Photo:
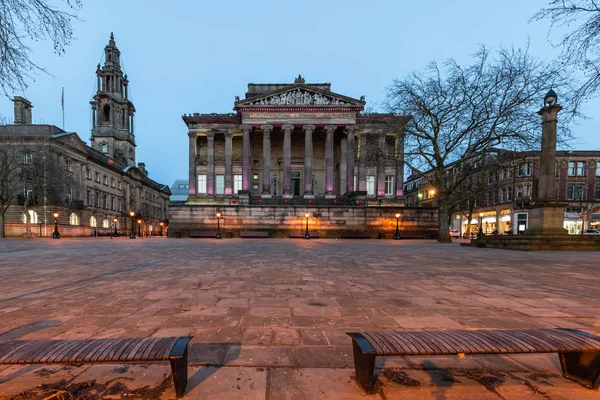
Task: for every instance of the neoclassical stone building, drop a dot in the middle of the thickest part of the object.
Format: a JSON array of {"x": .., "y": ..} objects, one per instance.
[
  {"x": 93, "y": 188},
  {"x": 295, "y": 141}
]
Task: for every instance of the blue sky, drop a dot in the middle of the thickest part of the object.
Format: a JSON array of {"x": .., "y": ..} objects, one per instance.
[{"x": 195, "y": 56}]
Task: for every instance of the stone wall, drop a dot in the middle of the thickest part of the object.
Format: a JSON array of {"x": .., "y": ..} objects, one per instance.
[{"x": 415, "y": 222}]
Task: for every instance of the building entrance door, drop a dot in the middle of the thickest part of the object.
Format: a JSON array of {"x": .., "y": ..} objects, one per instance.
[{"x": 295, "y": 189}]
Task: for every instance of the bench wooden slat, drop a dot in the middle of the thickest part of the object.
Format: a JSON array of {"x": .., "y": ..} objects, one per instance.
[
  {"x": 422, "y": 344},
  {"x": 539, "y": 346},
  {"x": 123, "y": 348},
  {"x": 566, "y": 339},
  {"x": 49, "y": 355},
  {"x": 466, "y": 345},
  {"x": 547, "y": 345},
  {"x": 452, "y": 345},
  {"x": 18, "y": 347},
  {"x": 137, "y": 348},
  {"x": 436, "y": 346},
  {"x": 406, "y": 344},
  {"x": 147, "y": 350},
  {"x": 29, "y": 353},
  {"x": 591, "y": 342},
  {"x": 170, "y": 343},
  {"x": 491, "y": 343},
  {"x": 515, "y": 340}
]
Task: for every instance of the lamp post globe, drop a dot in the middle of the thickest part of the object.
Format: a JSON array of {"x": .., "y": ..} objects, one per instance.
[
  {"x": 132, "y": 233},
  {"x": 306, "y": 234},
  {"x": 397, "y": 233},
  {"x": 55, "y": 234},
  {"x": 115, "y": 221},
  {"x": 218, "y": 225},
  {"x": 161, "y": 225},
  {"x": 139, "y": 228}
]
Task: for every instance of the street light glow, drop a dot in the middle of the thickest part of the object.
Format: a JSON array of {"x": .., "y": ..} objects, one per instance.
[
  {"x": 397, "y": 215},
  {"x": 218, "y": 215},
  {"x": 55, "y": 215},
  {"x": 132, "y": 214}
]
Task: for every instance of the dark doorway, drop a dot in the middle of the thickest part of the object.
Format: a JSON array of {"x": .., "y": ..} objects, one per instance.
[{"x": 295, "y": 189}]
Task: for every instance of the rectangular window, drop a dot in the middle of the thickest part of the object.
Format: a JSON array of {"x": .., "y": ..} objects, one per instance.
[
  {"x": 202, "y": 183},
  {"x": 579, "y": 192},
  {"x": 509, "y": 193},
  {"x": 120, "y": 185},
  {"x": 69, "y": 165},
  {"x": 527, "y": 190},
  {"x": 220, "y": 184},
  {"x": 112, "y": 182},
  {"x": 570, "y": 192},
  {"x": 105, "y": 180},
  {"x": 580, "y": 168},
  {"x": 598, "y": 169},
  {"x": 370, "y": 184},
  {"x": 576, "y": 168},
  {"x": 355, "y": 182},
  {"x": 506, "y": 173},
  {"x": 87, "y": 174},
  {"x": 571, "y": 170},
  {"x": 98, "y": 177},
  {"x": 28, "y": 158},
  {"x": 120, "y": 205},
  {"x": 88, "y": 197},
  {"x": 237, "y": 183},
  {"x": 525, "y": 169},
  {"x": 597, "y": 192},
  {"x": 389, "y": 185},
  {"x": 27, "y": 188}
]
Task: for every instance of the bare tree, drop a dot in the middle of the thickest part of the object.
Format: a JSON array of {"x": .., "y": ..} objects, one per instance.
[
  {"x": 584, "y": 208},
  {"x": 30, "y": 176},
  {"x": 23, "y": 20},
  {"x": 458, "y": 112},
  {"x": 580, "y": 44}
]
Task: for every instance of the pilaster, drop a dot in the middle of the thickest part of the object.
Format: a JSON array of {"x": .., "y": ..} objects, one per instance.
[
  {"x": 192, "y": 163},
  {"x": 246, "y": 129},
  {"x": 266, "y": 130},
  {"x": 308, "y": 159},
  {"x": 287, "y": 160},
  {"x": 350, "y": 157},
  {"x": 329, "y": 131}
]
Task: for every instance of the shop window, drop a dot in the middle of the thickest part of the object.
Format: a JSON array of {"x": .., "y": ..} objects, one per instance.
[
  {"x": 33, "y": 217},
  {"x": 93, "y": 222},
  {"x": 105, "y": 223}
]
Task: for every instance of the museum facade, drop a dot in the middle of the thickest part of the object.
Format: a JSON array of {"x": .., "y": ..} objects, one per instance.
[{"x": 295, "y": 141}]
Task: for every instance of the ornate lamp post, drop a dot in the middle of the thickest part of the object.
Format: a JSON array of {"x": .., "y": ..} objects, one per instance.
[
  {"x": 161, "y": 225},
  {"x": 480, "y": 233},
  {"x": 139, "y": 228},
  {"x": 132, "y": 233},
  {"x": 115, "y": 221},
  {"x": 397, "y": 233},
  {"x": 306, "y": 234},
  {"x": 55, "y": 234},
  {"x": 218, "y": 225}
]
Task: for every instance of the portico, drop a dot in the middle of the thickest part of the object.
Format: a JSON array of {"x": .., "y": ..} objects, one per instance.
[{"x": 294, "y": 140}]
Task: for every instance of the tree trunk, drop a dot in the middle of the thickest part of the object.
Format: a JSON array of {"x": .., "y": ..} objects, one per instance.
[
  {"x": 2, "y": 232},
  {"x": 443, "y": 227}
]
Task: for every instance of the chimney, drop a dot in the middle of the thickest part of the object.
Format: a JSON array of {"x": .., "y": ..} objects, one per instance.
[
  {"x": 22, "y": 110},
  {"x": 142, "y": 167}
]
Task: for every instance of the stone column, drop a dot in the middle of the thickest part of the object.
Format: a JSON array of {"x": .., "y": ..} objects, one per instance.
[
  {"x": 246, "y": 129},
  {"x": 266, "y": 130},
  {"x": 350, "y": 157},
  {"x": 546, "y": 189},
  {"x": 380, "y": 178},
  {"x": 329, "y": 130},
  {"x": 400, "y": 165},
  {"x": 192, "y": 166},
  {"x": 228, "y": 171},
  {"x": 308, "y": 158},
  {"x": 210, "y": 163},
  {"x": 287, "y": 160},
  {"x": 362, "y": 168}
]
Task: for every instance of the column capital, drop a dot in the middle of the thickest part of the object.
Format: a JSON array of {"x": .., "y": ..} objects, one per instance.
[
  {"x": 246, "y": 128},
  {"x": 287, "y": 126},
  {"x": 351, "y": 128},
  {"x": 227, "y": 135},
  {"x": 330, "y": 127},
  {"x": 266, "y": 128},
  {"x": 308, "y": 128},
  {"x": 210, "y": 135},
  {"x": 192, "y": 134}
]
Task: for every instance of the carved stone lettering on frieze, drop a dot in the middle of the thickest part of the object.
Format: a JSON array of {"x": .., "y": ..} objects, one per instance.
[{"x": 299, "y": 97}]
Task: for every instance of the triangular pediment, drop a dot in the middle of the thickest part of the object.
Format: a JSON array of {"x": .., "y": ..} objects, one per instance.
[
  {"x": 300, "y": 95},
  {"x": 73, "y": 140}
]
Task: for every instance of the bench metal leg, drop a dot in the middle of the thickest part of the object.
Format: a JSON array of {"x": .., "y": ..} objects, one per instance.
[
  {"x": 179, "y": 360},
  {"x": 364, "y": 365},
  {"x": 583, "y": 367}
]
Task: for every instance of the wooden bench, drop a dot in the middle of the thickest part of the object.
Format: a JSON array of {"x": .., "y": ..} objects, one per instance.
[
  {"x": 300, "y": 235},
  {"x": 579, "y": 352},
  {"x": 203, "y": 234},
  {"x": 76, "y": 351},
  {"x": 354, "y": 235},
  {"x": 254, "y": 234}
]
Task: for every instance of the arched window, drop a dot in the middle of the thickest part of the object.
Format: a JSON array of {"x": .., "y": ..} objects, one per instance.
[
  {"x": 93, "y": 222},
  {"x": 33, "y": 217},
  {"x": 105, "y": 223},
  {"x": 106, "y": 111},
  {"x": 74, "y": 219},
  {"x": 104, "y": 147}
]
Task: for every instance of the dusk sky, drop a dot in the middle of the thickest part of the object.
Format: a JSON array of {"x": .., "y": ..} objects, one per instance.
[{"x": 195, "y": 56}]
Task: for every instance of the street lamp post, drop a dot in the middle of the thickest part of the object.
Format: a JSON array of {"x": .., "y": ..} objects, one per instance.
[
  {"x": 139, "y": 228},
  {"x": 218, "y": 225},
  {"x": 116, "y": 220},
  {"x": 397, "y": 233},
  {"x": 161, "y": 225},
  {"x": 132, "y": 233},
  {"x": 306, "y": 234},
  {"x": 55, "y": 234},
  {"x": 480, "y": 233}
]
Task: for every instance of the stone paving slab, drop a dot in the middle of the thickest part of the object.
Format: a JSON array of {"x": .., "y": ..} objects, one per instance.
[{"x": 274, "y": 313}]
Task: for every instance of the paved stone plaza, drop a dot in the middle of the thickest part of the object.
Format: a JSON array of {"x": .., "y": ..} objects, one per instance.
[{"x": 269, "y": 316}]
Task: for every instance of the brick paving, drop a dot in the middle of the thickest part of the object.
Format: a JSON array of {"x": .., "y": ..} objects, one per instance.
[{"x": 268, "y": 316}]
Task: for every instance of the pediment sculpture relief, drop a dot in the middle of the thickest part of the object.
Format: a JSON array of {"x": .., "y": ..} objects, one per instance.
[{"x": 299, "y": 97}]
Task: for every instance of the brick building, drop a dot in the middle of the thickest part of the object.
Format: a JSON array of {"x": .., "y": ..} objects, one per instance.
[{"x": 508, "y": 185}]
